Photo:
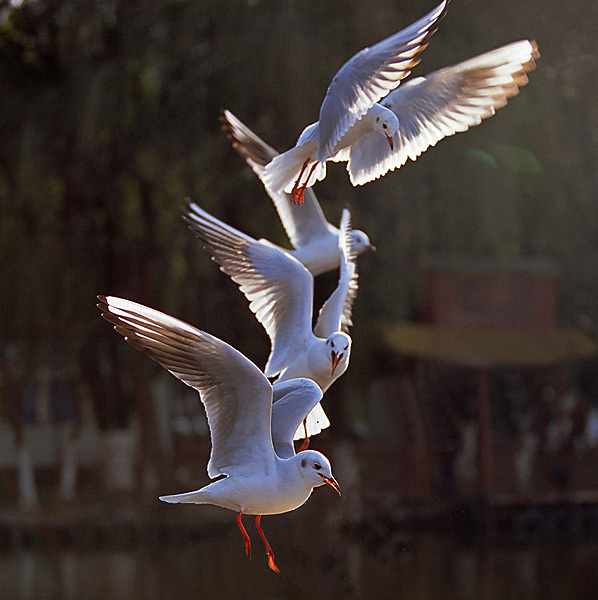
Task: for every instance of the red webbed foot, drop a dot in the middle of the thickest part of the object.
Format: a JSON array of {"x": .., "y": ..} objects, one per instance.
[{"x": 271, "y": 561}]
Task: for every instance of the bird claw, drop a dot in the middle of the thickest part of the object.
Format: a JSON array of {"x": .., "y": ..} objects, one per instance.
[
  {"x": 297, "y": 195},
  {"x": 272, "y": 564},
  {"x": 298, "y": 190}
]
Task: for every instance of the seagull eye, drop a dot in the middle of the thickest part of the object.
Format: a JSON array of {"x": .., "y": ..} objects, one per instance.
[
  {"x": 384, "y": 126},
  {"x": 331, "y": 344},
  {"x": 317, "y": 466},
  {"x": 377, "y": 119},
  {"x": 303, "y": 463}
]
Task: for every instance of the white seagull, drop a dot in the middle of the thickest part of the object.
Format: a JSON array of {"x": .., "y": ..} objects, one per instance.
[
  {"x": 315, "y": 239},
  {"x": 350, "y": 110},
  {"x": 280, "y": 292},
  {"x": 410, "y": 119},
  {"x": 251, "y": 439}
]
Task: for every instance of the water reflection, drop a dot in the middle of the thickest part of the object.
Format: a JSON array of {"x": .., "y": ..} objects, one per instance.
[{"x": 315, "y": 564}]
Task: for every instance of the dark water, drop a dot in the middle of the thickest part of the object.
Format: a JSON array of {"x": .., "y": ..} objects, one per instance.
[{"x": 317, "y": 561}]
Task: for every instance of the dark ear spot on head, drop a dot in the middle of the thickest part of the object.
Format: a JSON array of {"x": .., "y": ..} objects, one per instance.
[{"x": 303, "y": 463}]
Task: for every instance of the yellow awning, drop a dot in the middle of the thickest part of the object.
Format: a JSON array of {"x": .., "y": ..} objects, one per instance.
[{"x": 490, "y": 347}]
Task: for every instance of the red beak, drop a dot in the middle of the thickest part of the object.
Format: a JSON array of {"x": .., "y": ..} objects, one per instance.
[
  {"x": 390, "y": 142},
  {"x": 335, "y": 358},
  {"x": 332, "y": 482}
]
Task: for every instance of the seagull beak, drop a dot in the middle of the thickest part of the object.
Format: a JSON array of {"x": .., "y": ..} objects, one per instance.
[
  {"x": 390, "y": 142},
  {"x": 332, "y": 482},
  {"x": 335, "y": 359},
  {"x": 371, "y": 247}
]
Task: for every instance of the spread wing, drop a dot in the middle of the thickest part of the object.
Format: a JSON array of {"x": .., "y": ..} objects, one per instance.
[
  {"x": 235, "y": 393},
  {"x": 293, "y": 401},
  {"x": 447, "y": 101},
  {"x": 368, "y": 76},
  {"x": 335, "y": 315},
  {"x": 303, "y": 224},
  {"x": 279, "y": 288}
]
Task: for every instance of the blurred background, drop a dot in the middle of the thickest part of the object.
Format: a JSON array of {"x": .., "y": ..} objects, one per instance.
[{"x": 465, "y": 431}]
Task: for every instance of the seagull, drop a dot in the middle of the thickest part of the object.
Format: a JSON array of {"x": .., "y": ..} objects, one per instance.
[
  {"x": 414, "y": 116},
  {"x": 252, "y": 448},
  {"x": 280, "y": 291},
  {"x": 315, "y": 239},
  {"x": 350, "y": 110}
]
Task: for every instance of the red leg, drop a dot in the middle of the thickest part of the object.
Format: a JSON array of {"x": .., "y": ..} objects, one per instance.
[
  {"x": 296, "y": 185},
  {"x": 271, "y": 562},
  {"x": 305, "y": 444},
  {"x": 302, "y": 188},
  {"x": 245, "y": 536}
]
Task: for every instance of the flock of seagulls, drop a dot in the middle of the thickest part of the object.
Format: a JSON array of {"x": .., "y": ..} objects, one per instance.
[{"x": 372, "y": 121}]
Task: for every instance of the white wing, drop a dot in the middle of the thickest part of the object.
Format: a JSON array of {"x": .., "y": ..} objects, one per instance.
[
  {"x": 368, "y": 76},
  {"x": 302, "y": 224},
  {"x": 447, "y": 101},
  {"x": 293, "y": 401},
  {"x": 279, "y": 288},
  {"x": 349, "y": 257},
  {"x": 335, "y": 314},
  {"x": 251, "y": 147},
  {"x": 236, "y": 394}
]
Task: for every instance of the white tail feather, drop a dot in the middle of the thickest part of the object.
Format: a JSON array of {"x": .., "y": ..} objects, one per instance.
[
  {"x": 196, "y": 497},
  {"x": 316, "y": 422},
  {"x": 283, "y": 170}
]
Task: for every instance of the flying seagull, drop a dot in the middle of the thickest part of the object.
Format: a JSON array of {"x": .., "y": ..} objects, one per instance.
[
  {"x": 315, "y": 240},
  {"x": 280, "y": 292},
  {"x": 380, "y": 136},
  {"x": 251, "y": 440}
]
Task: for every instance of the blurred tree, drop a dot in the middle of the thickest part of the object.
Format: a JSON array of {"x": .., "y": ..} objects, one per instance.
[{"x": 108, "y": 120}]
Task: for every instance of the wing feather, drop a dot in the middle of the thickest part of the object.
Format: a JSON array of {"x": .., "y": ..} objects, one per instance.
[
  {"x": 335, "y": 314},
  {"x": 302, "y": 224},
  {"x": 441, "y": 104},
  {"x": 293, "y": 401},
  {"x": 236, "y": 395},
  {"x": 279, "y": 288},
  {"x": 368, "y": 76}
]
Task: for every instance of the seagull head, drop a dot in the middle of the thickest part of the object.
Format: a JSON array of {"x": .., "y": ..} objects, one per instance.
[
  {"x": 360, "y": 241},
  {"x": 385, "y": 123},
  {"x": 316, "y": 469},
  {"x": 338, "y": 349}
]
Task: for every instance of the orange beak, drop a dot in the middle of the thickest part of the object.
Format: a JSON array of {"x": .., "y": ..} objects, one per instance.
[
  {"x": 335, "y": 359},
  {"x": 332, "y": 482},
  {"x": 371, "y": 247},
  {"x": 390, "y": 142}
]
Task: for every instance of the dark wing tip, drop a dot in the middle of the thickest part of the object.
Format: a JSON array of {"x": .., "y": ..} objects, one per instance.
[{"x": 226, "y": 125}]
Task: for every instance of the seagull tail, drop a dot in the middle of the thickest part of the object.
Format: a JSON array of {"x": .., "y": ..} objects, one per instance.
[
  {"x": 316, "y": 422},
  {"x": 197, "y": 497},
  {"x": 284, "y": 170}
]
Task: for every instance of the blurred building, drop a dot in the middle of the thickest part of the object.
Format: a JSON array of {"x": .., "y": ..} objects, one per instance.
[{"x": 485, "y": 392}]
